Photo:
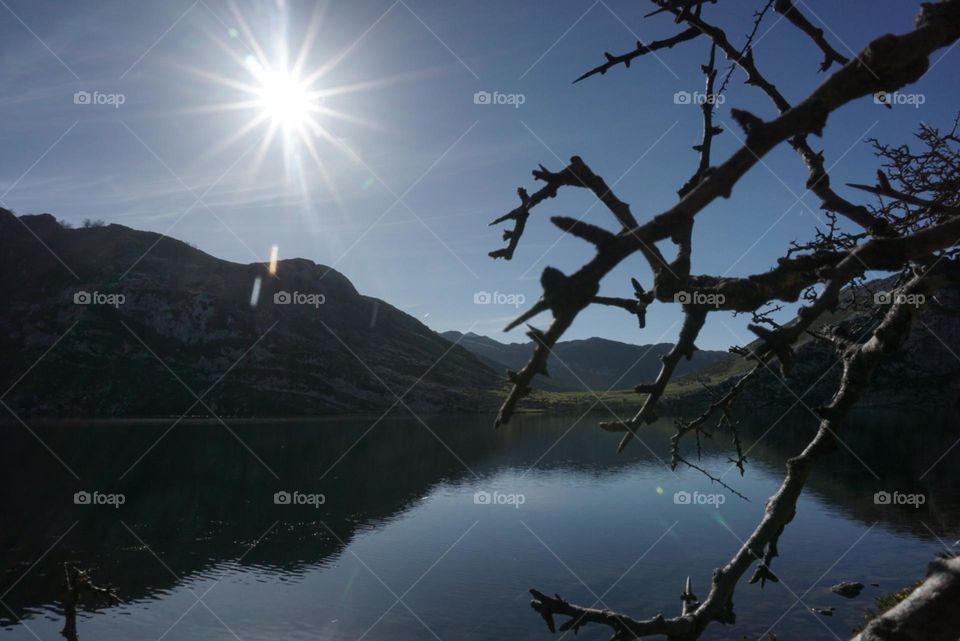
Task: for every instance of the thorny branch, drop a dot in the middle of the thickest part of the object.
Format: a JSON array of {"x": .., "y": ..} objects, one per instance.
[
  {"x": 859, "y": 361},
  {"x": 641, "y": 49},
  {"x": 789, "y": 10},
  {"x": 913, "y": 230}
]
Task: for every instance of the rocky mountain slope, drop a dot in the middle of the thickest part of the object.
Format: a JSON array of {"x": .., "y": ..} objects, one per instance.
[
  {"x": 593, "y": 363},
  {"x": 89, "y": 314},
  {"x": 923, "y": 376}
]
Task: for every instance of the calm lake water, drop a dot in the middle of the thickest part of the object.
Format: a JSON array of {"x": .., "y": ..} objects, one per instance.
[{"x": 404, "y": 547}]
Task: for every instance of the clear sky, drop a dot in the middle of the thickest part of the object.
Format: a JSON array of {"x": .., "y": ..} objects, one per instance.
[{"x": 188, "y": 151}]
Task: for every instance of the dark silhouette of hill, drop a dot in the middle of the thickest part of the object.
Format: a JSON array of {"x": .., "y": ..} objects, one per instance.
[
  {"x": 145, "y": 293},
  {"x": 923, "y": 375}
]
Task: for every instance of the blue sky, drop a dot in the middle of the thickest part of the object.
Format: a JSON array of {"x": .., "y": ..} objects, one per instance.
[{"x": 400, "y": 120}]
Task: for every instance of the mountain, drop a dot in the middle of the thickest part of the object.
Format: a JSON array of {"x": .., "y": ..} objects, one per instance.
[
  {"x": 593, "y": 363},
  {"x": 111, "y": 321},
  {"x": 922, "y": 376}
]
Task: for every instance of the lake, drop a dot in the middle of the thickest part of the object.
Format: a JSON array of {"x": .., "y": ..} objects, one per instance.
[{"x": 349, "y": 528}]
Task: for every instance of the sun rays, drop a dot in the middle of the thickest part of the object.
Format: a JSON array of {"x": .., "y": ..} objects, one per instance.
[{"x": 282, "y": 85}]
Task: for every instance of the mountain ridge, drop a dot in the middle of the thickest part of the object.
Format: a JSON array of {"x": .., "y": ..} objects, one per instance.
[
  {"x": 185, "y": 327},
  {"x": 597, "y": 364},
  {"x": 923, "y": 375}
]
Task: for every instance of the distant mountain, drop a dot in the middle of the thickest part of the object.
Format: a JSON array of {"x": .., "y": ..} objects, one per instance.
[
  {"x": 89, "y": 314},
  {"x": 594, "y": 363}
]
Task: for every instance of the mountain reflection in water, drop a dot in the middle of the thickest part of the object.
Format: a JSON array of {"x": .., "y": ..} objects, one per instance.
[{"x": 398, "y": 546}]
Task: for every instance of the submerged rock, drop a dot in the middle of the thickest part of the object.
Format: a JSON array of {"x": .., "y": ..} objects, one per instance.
[{"x": 847, "y": 589}]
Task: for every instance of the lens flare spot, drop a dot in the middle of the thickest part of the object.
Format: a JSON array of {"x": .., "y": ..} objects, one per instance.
[
  {"x": 255, "y": 293},
  {"x": 273, "y": 259}
]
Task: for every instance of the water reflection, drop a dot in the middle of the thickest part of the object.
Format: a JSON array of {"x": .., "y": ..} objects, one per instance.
[{"x": 198, "y": 515}]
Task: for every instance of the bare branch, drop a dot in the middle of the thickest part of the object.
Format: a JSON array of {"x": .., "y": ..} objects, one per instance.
[
  {"x": 915, "y": 234},
  {"x": 642, "y": 49},
  {"x": 858, "y": 364},
  {"x": 830, "y": 55},
  {"x": 897, "y": 59}
]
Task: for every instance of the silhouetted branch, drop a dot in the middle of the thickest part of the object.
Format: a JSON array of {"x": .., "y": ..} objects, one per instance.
[
  {"x": 915, "y": 234},
  {"x": 757, "y": 19},
  {"x": 723, "y": 404},
  {"x": 637, "y": 306},
  {"x": 880, "y": 254},
  {"x": 762, "y": 545},
  {"x": 897, "y": 59},
  {"x": 818, "y": 181},
  {"x": 641, "y": 49},
  {"x": 883, "y": 188},
  {"x": 709, "y": 130},
  {"x": 576, "y": 174},
  {"x": 693, "y": 321},
  {"x": 791, "y": 13}
]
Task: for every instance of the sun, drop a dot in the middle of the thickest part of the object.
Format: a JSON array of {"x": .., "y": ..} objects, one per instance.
[
  {"x": 286, "y": 101},
  {"x": 286, "y": 92}
]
